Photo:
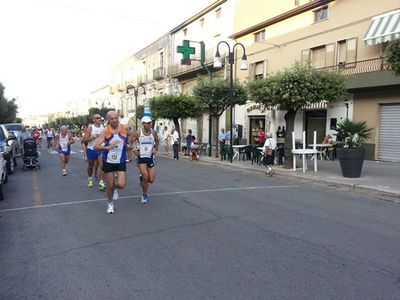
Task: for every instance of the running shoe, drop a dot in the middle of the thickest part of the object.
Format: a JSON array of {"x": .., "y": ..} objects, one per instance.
[
  {"x": 144, "y": 200},
  {"x": 110, "y": 208},
  {"x": 96, "y": 178},
  {"x": 64, "y": 172},
  {"x": 90, "y": 182},
  {"x": 115, "y": 194},
  {"x": 102, "y": 185}
]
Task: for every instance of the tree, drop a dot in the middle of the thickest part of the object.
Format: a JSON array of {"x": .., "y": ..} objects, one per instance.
[
  {"x": 8, "y": 108},
  {"x": 175, "y": 107},
  {"x": 214, "y": 95},
  {"x": 392, "y": 54},
  {"x": 293, "y": 89},
  {"x": 101, "y": 111}
]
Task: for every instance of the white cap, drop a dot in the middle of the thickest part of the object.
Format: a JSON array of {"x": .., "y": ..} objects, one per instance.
[{"x": 146, "y": 119}]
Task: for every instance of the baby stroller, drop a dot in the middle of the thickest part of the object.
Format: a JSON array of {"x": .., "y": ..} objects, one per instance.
[{"x": 30, "y": 155}]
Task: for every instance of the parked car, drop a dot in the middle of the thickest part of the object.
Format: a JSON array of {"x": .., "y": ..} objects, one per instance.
[
  {"x": 16, "y": 129},
  {"x": 8, "y": 148},
  {"x": 3, "y": 175}
]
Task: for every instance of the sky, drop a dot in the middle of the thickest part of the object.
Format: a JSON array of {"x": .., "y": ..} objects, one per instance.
[{"x": 55, "y": 51}]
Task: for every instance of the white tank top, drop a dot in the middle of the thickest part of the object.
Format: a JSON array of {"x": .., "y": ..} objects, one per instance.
[
  {"x": 95, "y": 133},
  {"x": 146, "y": 143},
  {"x": 64, "y": 141}
]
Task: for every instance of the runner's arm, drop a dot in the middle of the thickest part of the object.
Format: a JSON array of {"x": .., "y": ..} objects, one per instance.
[
  {"x": 88, "y": 135},
  {"x": 71, "y": 138},
  {"x": 156, "y": 142}
]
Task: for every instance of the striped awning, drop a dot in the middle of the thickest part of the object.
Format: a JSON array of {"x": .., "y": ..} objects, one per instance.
[{"x": 383, "y": 28}]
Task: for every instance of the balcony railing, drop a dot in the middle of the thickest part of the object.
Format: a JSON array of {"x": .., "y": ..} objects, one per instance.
[{"x": 359, "y": 67}]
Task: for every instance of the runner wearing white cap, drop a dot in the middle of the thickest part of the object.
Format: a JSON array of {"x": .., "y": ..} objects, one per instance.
[{"x": 147, "y": 140}]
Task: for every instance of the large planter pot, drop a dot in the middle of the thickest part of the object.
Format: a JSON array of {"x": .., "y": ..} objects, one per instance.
[{"x": 351, "y": 161}]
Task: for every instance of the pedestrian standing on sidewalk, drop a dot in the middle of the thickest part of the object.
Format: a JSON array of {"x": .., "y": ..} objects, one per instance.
[
  {"x": 166, "y": 137},
  {"x": 147, "y": 139},
  {"x": 112, "y": 141},
  {"x": 93, "y": 156},
  {"x": 64, "y": 147},
  {"x": 175, "y": 145},
  {"x": 188, "y": 139},
  {"x": 269, "y": 154}
]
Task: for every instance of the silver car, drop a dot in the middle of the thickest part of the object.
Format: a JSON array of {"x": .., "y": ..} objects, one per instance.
[{"x": 3, "y": 175}]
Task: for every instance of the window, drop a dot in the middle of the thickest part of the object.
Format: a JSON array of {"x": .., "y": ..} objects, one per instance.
[
  {"x": 259, "y": 70},
  {"x": 185, "y": 32},
  {"x": 259, "y": 36},
  {"x": 161, "y": 59},
  {"x": 218, "y": 13},
  {"x": 318, "y": 57},
  {"x": 347, "y": 51},
  {"x": 321, "y": 14},
  {"x": 329, "y": 55},
  {"x": 202, "y": 22}
]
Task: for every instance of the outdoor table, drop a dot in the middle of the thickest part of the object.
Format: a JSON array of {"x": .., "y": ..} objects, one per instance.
[{"x": 236, "y": 150}]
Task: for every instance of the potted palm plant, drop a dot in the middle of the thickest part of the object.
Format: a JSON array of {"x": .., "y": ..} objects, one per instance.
[{"x": 351, "y": 156}]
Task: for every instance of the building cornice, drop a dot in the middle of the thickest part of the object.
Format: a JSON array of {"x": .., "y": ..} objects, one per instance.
[
  {"x": 291, "y": 13},
  {"x": 198, "y": 15}
]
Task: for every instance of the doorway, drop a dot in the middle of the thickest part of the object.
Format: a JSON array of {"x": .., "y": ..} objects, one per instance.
[{"x": 315, "y": 121}]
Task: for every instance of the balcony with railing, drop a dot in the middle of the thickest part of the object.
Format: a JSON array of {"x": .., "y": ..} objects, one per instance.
[
  {"x": 366, "y": 74},
  {"x": 158, "y": 73},
  {"x": 359, "y": 67},
  {"x": 179, "y": 69}
]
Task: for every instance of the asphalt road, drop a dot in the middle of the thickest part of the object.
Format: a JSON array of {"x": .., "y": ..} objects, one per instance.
[{"x": 208, "y": 232}]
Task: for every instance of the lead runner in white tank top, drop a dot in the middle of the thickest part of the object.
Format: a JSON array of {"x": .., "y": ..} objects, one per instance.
[{"x": 147, "y": 139}]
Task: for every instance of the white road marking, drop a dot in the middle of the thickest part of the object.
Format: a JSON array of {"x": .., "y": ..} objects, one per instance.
[
  {"x": 56, "y": 152},
  {"x": 157, "y": 194}
]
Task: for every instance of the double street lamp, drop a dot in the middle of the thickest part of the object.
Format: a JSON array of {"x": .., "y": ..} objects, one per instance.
[
  {"x": 135, "y": 90},
  {"x": 243, "y": 66}
]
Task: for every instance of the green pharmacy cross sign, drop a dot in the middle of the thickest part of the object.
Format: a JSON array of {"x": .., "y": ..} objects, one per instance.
[{"x": 186, "y": 51}]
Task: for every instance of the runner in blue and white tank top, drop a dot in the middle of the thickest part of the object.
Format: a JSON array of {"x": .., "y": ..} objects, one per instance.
[
  {"x": 112, "y": 141},
  {"x": 64, "y": 147},
  {"x": 147, "y": 140},
  {"x": 94, "y": 157}
]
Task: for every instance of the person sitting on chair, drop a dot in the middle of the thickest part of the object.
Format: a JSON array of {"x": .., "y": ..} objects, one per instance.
[{"x": 329, "y": 141}]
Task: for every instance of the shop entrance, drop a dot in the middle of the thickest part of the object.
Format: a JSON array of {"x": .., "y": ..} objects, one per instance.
[{"x": 256, "y": 123}]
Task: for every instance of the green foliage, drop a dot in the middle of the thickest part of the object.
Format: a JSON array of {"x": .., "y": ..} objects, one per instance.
[
  {"x": 101, "y": 111},
  {"x": 8, "y": 108},
  {"x": 174, "y": 107},
  {"x": 297, "y": 87},
  {"x": 354, "y": 133},
  {"x": 140, "y": 111},
  {"x": 392, "y": 54},
  {"x": 215, "y": 94}
]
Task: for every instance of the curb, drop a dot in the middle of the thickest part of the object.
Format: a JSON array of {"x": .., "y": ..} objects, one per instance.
[{"x": 390, "y": 196}]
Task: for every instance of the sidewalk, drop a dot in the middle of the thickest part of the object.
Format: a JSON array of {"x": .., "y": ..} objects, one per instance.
[{"x": 379, "y": 177}]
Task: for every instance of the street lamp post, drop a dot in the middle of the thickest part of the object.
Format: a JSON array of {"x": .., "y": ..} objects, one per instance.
[
  {"x": 231, "y": 61},
  {"x": 135, "y": 90}
]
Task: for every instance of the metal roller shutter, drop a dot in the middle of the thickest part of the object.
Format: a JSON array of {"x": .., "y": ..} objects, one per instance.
[{"x": 389, "y": 133}]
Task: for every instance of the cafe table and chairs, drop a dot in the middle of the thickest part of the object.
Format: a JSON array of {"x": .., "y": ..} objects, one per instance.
[{"x": 321, "y": 150}]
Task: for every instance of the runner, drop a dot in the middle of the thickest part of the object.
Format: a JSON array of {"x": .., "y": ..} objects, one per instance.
[
  {"x": 64, "y": 147},
  {"x": 83, "y": 143},
  {"x": 94, "y": 157},
  {"x": 114, "y": 137},
  {"x": 49, "y": 132},
  {"x": 148, "y": 145}
]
